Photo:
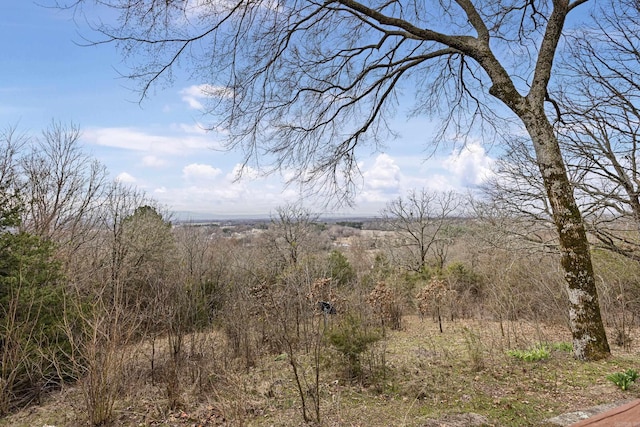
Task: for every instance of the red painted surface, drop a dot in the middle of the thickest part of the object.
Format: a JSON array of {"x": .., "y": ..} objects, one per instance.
[{"x": 627, "y": 415}]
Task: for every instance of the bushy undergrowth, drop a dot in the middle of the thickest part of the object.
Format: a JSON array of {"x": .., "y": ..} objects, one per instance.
[
  {"x": 262, "y": 301},
  {"x": 429, "y": 378},
  {"x": 562, "y": 346}
]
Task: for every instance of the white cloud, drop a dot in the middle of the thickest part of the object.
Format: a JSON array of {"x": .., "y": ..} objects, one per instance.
[
  {"x": 391, "y": 176},
  {"x": 193, "y": 102},
  {"x": 438, "y": 182},
  {"x": 136, "y": 140},
  {"x": 382, "y": 180},
  {"x": 193, "y": 95},
  {"x": 383, "y": 175},
  {"x": 470, "y": 165},
  {"x": 215, "y": 190},
  {"x": 210, "y": 191},
  {"x": 153, "y": 161},
  {"x": 243, "y": 172},
  {"x": 126, "y": 178},
  {"x": 197, "y": 171},
  {"x": 203, "y": 10},
  {"x": 196, "y": 128},
  {"x": 228, "y": 198},
  {"x": 198, "y": 8}
]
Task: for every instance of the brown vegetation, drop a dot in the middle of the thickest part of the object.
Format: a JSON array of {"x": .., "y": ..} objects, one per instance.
[
  {"x": 214, "y": 328},
  {"x": 428, "y": 375},
  {"x": 120, "y": 317}
]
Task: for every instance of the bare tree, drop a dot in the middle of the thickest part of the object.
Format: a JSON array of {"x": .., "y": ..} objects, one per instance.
[
  {"x": 63, "y": 186},
  {"x": 293, "y": 228},
  {"x": 12, "y": 145},
  {"x": 195, "y": 249},
  {"x": 420, "y": 222},
  {"x": 111, "y": 261},
  {"x": 601, "y": 127},
  {"x": 305, "y": 83},
  {"x": 514, "y": 203}
]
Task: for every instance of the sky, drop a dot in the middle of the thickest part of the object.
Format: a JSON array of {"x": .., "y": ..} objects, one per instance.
[{"x": 159, "y": 145}]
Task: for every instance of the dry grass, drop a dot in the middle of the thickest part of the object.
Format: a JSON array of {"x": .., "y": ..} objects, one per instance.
[{"x": 430, "y": 376}]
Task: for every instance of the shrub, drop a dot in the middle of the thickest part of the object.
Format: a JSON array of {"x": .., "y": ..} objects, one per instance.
[
  {"x": 386, "y": 306},
  {"x": 33, "y": 350},
  {"x": 340, "y": 269},
  {"x": 351, "y": 338},
  {"x": 475, "y": 348},
  {"x": 434, "y": 297}
]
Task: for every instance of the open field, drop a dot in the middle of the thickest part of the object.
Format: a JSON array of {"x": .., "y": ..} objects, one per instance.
[{"x": 429, "y": 376}]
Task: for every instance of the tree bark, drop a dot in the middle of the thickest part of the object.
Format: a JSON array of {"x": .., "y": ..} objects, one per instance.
[{"x": 589, "y": 337}]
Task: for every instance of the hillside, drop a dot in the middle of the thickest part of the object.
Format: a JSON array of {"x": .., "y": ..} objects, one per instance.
[{"x": 428, "y": 376}]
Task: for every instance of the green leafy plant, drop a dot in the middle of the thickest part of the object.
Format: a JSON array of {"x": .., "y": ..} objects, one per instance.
[
  {"x": 539, "y": 352},
  {"x": 632, "y": 374},
  {"x": 562, "y": 346},
  {"x": 624, "y": 379}
]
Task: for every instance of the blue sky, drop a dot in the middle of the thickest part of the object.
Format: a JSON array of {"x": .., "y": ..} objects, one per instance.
[{"x": 159, "y": 145}]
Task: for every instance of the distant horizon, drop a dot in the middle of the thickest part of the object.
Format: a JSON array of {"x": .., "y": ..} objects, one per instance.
[{"x": 186, "y": 217}]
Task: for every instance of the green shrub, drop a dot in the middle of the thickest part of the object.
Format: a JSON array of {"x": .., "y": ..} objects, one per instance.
[
  {"x": 340, "y": 269},
  {"x": 351, "y": 338},
  {"x": 461, "y": 274},
  {"x": 34, "y": 351}
]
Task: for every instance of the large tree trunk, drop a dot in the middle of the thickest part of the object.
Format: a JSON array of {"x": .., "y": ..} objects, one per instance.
[{"x": 589, "y": 337}]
